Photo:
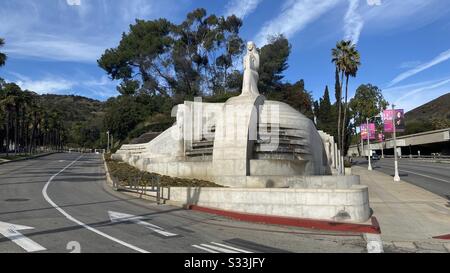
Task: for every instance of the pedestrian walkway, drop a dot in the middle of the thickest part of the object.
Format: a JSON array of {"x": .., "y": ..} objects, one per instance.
[{"x": 409, "y": 216}]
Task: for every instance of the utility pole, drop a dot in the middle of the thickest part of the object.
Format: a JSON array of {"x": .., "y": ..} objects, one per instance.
[
  {"x": 107, "y": 145},
  {"x": 369, "y": 153},
  {"x": 396, "y": 175}
]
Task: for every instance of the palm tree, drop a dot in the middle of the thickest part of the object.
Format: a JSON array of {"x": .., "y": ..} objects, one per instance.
[
  {"x": 2, "y": 55},
  {"x": 9, "y": 102},
  {"x": 353, "y": 62},
  {"x": 347, "y": 61},
  {"x": 338, "y": 55}
]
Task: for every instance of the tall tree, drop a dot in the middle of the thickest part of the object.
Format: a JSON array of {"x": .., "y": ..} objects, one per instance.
[
  {"x": 273, "y": 63},
  {"x": 347, "y": 61},
  {"x": 139, "y": 58},
  {"x": 353, "y": 61},
  {"x": 327, "y": 114},
  {"x": 338, "y": 58},
  {"x": 367, "y": 102}
]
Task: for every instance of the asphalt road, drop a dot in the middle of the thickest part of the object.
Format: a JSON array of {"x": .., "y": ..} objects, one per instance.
[
  {"x": 64, "y": 198},
  {"x": 434, "y": 177}
]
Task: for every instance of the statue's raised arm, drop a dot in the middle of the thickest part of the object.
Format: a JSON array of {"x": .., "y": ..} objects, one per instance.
[{"x": 251, "y": 67}]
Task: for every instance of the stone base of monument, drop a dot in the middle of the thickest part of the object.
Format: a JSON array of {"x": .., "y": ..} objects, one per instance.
[{"x": 340, "y": 205}]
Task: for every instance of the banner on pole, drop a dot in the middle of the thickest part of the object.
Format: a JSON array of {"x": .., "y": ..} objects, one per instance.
[
  {"x": 388, "y": 116},
  {"x": 371, "y": 131}
]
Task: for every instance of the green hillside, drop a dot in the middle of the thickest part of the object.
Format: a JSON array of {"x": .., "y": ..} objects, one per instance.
[
  {"x": 83, "y": 118},
  {"x": 433, "y": 115}
]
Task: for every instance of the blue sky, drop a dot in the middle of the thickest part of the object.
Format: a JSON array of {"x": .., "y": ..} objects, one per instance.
[{"x": 53, "y": 45}]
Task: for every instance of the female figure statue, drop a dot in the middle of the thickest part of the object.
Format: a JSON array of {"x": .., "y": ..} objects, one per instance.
[{"x": 251, "y": 67}]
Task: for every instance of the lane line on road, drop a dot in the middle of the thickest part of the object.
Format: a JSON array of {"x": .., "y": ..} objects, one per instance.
[
  {"x": 70, "y": 218},
  {"x": 423, "y": 175}
]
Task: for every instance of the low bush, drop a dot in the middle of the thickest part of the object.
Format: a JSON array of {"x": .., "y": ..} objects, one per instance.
[{"x": 128, "y": 175}]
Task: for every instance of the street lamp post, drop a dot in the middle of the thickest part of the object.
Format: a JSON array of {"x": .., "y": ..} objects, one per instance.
[
  {"x": 368, "y": 141},
  {"x": 107, "y": 145},
  {"x": 368, "y": 144},
  {"x": 396, "y": 175}
]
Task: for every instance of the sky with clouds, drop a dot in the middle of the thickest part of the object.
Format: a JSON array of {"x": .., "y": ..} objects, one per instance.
[{"x": 53, "y": 45}]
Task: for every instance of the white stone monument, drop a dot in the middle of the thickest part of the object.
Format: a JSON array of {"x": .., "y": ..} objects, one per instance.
[{"x": 251, "y": 145}]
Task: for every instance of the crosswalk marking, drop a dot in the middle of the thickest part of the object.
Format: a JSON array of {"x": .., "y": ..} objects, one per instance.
[
  {"x": 214, "y": 247},
  {"x": 205, "y": 249},
  {"x": 233, "y": 248}
]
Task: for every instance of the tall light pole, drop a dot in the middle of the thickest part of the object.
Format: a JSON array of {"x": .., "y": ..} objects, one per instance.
[
  {"x": 368, "y": 144},
  {"x": 107, "y": 145},
  {"x": 396, "y": 175},
  {"x": 368, "y": 140}
]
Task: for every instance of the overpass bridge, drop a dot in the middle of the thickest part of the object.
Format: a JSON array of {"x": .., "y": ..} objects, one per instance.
[{"x": 424, "y": 143}]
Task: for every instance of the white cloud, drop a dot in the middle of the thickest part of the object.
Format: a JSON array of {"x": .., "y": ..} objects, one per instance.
[
  {"x": 409, "y": 64},
  {"x": 444, "y": 56},
  {"x": 410, "y": 96},
  {"x": 241, "y": 8},
  {"x": 46, "y": 85},
  {"x": 73, "y": 2},
  {"x": 55, "y": 48},
  {"x": 353, "y": 22},
  {"x": 294, "y": 17},
  {"x": 101, "y": 87},
  {"x": 55, "y": 31},
  {"x": 373, "y": 2}
]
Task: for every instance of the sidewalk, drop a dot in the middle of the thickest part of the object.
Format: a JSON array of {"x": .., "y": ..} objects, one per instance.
[{"x": 409, "y": 216}]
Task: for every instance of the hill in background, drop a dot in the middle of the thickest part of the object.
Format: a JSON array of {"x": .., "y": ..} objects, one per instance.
[
  {"x": 433, "y": 115},
  {"x": 83, "y": 118}
]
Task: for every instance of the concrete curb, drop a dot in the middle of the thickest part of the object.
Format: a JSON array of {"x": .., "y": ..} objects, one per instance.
[
  {"x": 27, "y": 158},
  {"x": 374, "y": 228}
]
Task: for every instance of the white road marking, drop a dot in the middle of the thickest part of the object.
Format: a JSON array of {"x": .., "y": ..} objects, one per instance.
[
  {"x": 70, "y": 218},
  {"x": 220, "y": 248},
  {"x": 419, "y": 174},
  {"x": 427, "y": 176},
  {"x": 10, "y": 231},
  {"x": 233, "y": 248},
  {"x": 205, "y": 249},
  {"x": 117, "y": 217}
]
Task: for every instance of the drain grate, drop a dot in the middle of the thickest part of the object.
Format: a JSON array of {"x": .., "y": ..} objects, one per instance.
[{"x": 17, "y": 200}]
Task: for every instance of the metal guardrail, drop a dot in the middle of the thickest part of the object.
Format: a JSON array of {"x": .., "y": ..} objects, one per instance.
[{"x": 141, "y": 188}]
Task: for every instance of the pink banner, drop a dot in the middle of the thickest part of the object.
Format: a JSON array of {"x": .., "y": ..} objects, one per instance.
[
  {"x": 388, "y": 116},
  {"x": 371, "y": 131}
]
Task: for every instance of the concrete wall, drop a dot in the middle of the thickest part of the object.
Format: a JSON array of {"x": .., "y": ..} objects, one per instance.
[{"x": 349, "y": 205}]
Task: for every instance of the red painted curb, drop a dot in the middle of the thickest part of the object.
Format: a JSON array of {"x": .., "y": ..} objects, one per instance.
[
  {"x": 443, "y": 237},
  {"x": 374, "y": 228}
]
